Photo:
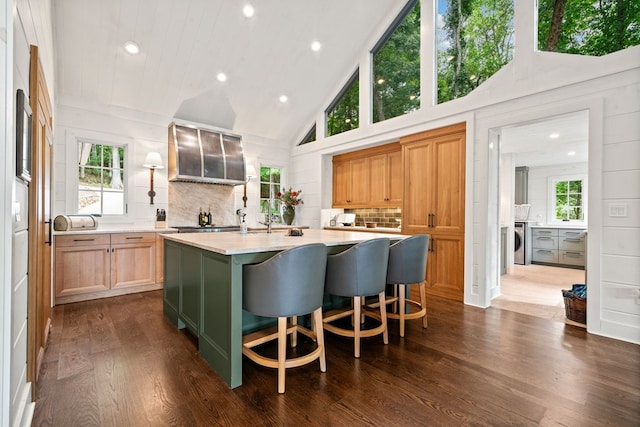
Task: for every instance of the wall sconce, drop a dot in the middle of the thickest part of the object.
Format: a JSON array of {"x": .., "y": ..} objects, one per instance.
[
  {"x": 153, "y": 161},
  {"x": 251, "y": 173}
]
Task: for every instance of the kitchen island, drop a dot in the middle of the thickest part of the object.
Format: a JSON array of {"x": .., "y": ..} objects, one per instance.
[{"x": 203, "y": 285}]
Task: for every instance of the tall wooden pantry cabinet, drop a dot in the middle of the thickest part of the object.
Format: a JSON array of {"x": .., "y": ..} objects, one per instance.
[{"x": 433, "y": 203}]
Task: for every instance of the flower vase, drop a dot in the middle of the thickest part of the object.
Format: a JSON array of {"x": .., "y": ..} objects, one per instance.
[{"x": 288, "y": 214}]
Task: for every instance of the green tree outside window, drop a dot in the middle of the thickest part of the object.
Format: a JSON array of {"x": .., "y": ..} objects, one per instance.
[
  {"x": 569, "y": 201},
  {"x": 101, "y": 179},
  {"x": 269, "y": 186},
  {"x": 343, "y": 114},
  {"x": 587, "y": 27},
  {"x": 396, "y": 69}
]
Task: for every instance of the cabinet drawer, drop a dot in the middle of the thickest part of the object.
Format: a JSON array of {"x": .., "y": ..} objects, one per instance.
[
  {"x": 545, "y": 242},
  {"x": 120, "y": 238},
  {"x": 575, "y": 244},
  {"x": 574, "y": 234},
  {"x": 571, "y": 258},
  {"x": 550, "y": 232},
  {"x": 82, "y": 240},
  {"x": 545, "y": 255}
]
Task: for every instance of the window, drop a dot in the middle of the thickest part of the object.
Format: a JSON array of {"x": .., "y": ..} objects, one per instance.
[
  {"x": 270, "y": 182},
  {"x": 309, "y": 137},
  {"x": 474, "y": 40},
  {"x": 101, "y": 179},
  {"x": 396, "y": 67},
  {"x": 587, "y": 27},
  {"x": 568, "y": 199},
  {"x": 342, "y": 115}
]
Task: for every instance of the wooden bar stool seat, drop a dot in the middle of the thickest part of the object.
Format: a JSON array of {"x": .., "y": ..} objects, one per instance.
[{"x": 287, "y": 285}]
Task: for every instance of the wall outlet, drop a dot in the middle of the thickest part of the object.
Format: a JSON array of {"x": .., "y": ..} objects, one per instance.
[{"x": 618, "y": 210}]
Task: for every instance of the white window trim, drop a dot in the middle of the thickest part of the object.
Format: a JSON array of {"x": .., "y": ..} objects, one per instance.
[
  {"x": 283, "y": 176},
  {"x": 72, "y": 142},
  {"x": 551, "y": 199}
]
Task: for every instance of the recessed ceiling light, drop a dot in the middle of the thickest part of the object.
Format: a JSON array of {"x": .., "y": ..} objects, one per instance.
[
  {"x": 316, "y": 46},
  {"x": 248, "y": 11},
  {"x": 380, "y": 81},
  {"x": 571, "y": 153},
  {"x": 412, "y": 97},
  {"x": 132, "y": 47},
  {"x": 283, "y": 98},
  {"x": 222, "y": 77},
  {"x": 347, "y": 121},
  {"x": 554, "y": 136}
]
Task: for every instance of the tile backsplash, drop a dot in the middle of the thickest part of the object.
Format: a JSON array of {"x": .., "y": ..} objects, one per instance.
[{"x": 383, "y": 217}]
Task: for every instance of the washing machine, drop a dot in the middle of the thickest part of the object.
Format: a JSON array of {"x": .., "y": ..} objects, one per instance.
[{"x": 519, "y": 243}]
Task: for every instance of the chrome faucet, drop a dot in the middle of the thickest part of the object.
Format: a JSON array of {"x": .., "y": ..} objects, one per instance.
[{"x": 270, "y": 220}]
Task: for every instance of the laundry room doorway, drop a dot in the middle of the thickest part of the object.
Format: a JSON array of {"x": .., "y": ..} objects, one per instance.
[{"x": 543, "y": 188}]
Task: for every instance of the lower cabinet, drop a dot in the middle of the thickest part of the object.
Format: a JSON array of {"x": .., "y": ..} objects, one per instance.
[
  {"x": 99, "y": 265},
  {"x": 559, "y": 246}
]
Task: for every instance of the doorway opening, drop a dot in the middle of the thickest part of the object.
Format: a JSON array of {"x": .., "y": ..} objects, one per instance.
[{"x": 535, "y": 269}]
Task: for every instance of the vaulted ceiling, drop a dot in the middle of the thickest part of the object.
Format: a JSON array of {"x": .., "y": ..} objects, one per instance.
[{"x": 184, "y": 44}]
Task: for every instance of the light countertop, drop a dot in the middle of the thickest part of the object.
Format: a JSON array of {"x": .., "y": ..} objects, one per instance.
[
  {"x": 104, "y": 229},
  {"x": 365, "y": 229},
  {"x": 232, "y": 243},
  {"x": 559, "y": 226}
]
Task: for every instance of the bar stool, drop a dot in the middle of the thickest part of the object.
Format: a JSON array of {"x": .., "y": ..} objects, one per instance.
[
  {"x": 358, "y": 272},
  {"x": 289, "y": 284},
  {"x": 407, "y": 266}
]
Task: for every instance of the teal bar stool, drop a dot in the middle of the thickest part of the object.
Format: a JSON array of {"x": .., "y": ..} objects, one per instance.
[
  {"x": 408, "y": 266},
  {"x": 359, "y": 272},
  {"x": 287, "y": 285}
]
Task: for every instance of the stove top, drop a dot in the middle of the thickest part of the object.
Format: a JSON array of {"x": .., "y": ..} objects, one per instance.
[{"x": 206, "y": 229}]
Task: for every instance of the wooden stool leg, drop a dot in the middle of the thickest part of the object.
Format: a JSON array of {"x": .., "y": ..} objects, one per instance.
[
  {"x": 423, "y": 302},
  {"x": 357, "y": 308},
  {"x": 316, "y": 319},
  {"x": 282, "y": 351},
  {"x": 294, "y": 334},
  {"x": 394, "y": 307},
  {"x": 383, "y": 317},
  {"x": 402, "y": 289}
]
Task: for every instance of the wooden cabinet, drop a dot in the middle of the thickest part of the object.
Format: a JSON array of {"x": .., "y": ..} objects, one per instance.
[
  {"x": 133, "y": 260},
  {"x": 559, "y": 246},
  {"x": 368, "y": 178},
  {"x": 89, "y": 266},
  {"x": 434, "y": 203},
  {"x": 159, "y": 258},
  {"x": 351, "y": 183},
  {"x": 82, "y": 264},
  {"x": 386, "y": 180}
]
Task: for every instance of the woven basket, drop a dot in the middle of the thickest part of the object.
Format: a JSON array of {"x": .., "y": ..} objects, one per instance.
[{"x": 575, "y": 307}]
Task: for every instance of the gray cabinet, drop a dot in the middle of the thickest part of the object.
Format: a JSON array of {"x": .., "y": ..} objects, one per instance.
[
  {"x": 522, "y": 185},
  {"x": 560, "y": 246}
]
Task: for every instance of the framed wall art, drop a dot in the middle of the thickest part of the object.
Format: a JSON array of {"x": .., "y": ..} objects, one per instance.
[{"x": 23, "y": 137}]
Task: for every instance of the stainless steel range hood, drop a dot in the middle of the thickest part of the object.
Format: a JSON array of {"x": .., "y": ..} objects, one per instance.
[{"x": 205, "y": 155}]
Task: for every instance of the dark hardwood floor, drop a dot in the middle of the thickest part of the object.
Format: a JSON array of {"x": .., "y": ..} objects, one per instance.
[{"x": 119, "y": 362}]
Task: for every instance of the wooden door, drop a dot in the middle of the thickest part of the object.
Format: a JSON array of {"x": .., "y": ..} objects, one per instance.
[
  {"x": 39, "y": 269},
  {"x": 341, "y": 183},
  {"x": 433, "y": 203},
  {"x": 82, "y": 264},
  {"x": 418, "y": 187},
  {"x": 378, "y": 180},
  {"x": 394, "y": 178},
  {"x": 359, "y": 194},
  {"x": 448, "y": 173},
  {"x": 132, "y": 259}
]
